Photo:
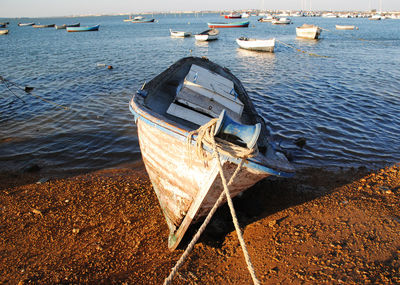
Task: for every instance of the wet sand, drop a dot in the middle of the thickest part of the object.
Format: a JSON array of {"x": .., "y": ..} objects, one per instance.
[{"x": 107, "y": 227}]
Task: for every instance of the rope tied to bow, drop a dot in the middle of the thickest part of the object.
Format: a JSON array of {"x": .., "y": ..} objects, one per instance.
[{"x": 205, "y": 137}]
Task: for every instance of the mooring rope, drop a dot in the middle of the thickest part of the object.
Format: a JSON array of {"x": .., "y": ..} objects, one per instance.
[
  {"x": 360, "y": 39},
  {"x": 302, "y": 51},
  {"x": 8, "y": 87},
  {"x": 206, "y": 137},
  {"x": 6, "y": 82}
]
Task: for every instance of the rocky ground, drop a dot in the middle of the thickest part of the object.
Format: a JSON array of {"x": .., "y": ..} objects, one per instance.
[{"x": 107, "y": 227}]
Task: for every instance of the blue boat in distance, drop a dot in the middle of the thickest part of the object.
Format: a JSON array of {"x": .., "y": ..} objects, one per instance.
[{"x": 83, "y": 29}]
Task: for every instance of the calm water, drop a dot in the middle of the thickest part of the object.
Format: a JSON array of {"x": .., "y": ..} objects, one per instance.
[{"x": 346, "y": 105}]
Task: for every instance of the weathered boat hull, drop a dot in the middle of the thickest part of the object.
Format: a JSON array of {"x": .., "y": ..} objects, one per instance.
[{"x": 187, "y": 187}]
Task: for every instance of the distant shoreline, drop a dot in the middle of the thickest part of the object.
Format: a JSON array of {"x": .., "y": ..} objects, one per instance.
[{"x": 252, "y": 11}]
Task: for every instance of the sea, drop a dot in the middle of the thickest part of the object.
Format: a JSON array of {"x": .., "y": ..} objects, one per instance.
[{"x": 341, "y": 94}]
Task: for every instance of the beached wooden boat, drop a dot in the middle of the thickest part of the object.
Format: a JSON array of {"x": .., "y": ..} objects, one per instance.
[
  {"x": 179, "y": 34},
  {"x": 229, "y": 25},
  {"x": 64, "y": 26},
  {"x": 345, "y": 27},
  {"x": 281, "y": 21},
  {"x": 44, "y": 26},
  {"x": 25, "y": 24},
  {"x": 256, "y": 44},
  {"x": 83, "y": 29},
  {"x": 207, "y": 35},
  {"x": 168, "y": 109},
  {"x": 308, "y": 31},
  {"x": 3, "y": 32}
]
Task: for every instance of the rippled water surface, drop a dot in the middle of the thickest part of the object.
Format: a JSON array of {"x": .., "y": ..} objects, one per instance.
[{"x": 345, "y": 101}]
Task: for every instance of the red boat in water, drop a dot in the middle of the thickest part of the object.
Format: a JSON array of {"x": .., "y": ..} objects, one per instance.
[{"x": 233, "y": 16}]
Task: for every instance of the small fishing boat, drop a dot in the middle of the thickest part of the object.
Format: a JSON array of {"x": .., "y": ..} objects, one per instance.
[
  {"x": 3, "y": 25},
  {"x": 179, "y": 34},
  {"x": 229, "y": 25},
  {"x": 281, "y": 21},
  {"x": 25, "y": 24},
  {"x": 3, "y": 32},
  {"x": 44, "y": 26},
  {"x": 375, "y": 17},
  {"x": 266, "y": 19},
  {"x": 207, "y": 35},
  {"x": 64, "y": 26},
  {"x": 308, "y": 31},
  {"x": 256, "y": 44},
  {"x": 83, "y": 29},
  {"x": 233, "y": 16},
  {"x": 129, "y": 19},
  {"x": 142, "y": 20},
  {"x": 346, "y": 27},
  {"x": 170, "y": 111}
]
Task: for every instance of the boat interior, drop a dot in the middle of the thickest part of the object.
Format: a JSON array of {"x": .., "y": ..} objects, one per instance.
[{"x": 193, "y": 94}]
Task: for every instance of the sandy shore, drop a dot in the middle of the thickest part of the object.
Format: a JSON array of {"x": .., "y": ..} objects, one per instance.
[{"x": 107, "y": 227}]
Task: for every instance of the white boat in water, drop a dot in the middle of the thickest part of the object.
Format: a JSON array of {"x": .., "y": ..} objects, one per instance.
[
  {"x": 207, "y": 35},
  {"x": 25, "y": 24},
  {"x": 281, "y": 21},
  {"x": 3, "y": 32},
  {"x": 376, "y": 17},
  {"x": 267, "y": 18},
  {"x": 171, "y": 112},
  {"x": 256, "y": 44},
  {"x": 308, "y": 31},
  {"x": 346, "y": 27},
  {"x": 179, "y": 34}
]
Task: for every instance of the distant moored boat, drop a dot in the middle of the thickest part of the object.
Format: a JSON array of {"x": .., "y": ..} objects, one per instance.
[
  {"x": 25, "y": 24},
  {"x": 83, "y": 29},
  {"x": 281, "y": 21},
  {"x": 229, "y": 25},
  {"x": 179, "y": 34},
  {"x": 142, "y": 20},
  {"x": 233, "y": 16},
  {"x": 58, "y": 27},
  {"x": 308, "y": 31},
  {"x": 345, "y": 27},
  {"x": 256, "y": 44},
  {"x": 207, "y": 35},
  {"x": 3, "y": 32},
  {"x": 44, "y": 26}
]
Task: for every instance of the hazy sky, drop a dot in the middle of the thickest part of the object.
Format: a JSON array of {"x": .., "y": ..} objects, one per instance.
[{"x": 47, "y": 8}]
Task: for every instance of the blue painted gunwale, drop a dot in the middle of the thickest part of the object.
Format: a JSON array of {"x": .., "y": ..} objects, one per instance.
[{"x": 155, "y": 120}]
